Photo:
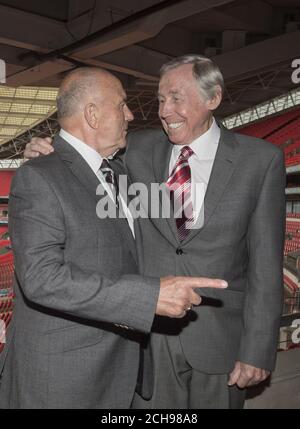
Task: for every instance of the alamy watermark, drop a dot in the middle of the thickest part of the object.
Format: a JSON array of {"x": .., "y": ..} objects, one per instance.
[
  {"x": 296, "y": 72},
  {"x": 296, "y": 332},
  {"x": 2, "y": 332},
  {"x": 154, "y": 201},
  {"x": 2, "y": 71}
]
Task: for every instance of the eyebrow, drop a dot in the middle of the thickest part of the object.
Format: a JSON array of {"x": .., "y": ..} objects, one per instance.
[{"x": 170, "y": 92}]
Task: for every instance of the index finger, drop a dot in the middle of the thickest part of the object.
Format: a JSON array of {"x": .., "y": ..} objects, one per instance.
[{"x": 201, "y": 282}]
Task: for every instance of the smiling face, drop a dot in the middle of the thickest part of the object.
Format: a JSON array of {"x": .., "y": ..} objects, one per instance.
[{"x": 185, "y": 114}]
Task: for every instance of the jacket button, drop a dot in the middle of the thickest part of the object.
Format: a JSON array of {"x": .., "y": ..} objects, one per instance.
[{"x": 179, "y": 251}]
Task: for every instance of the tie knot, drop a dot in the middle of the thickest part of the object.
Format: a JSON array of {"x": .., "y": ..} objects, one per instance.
[
  {"x": 105, "y": 164},
  {"x": 107, "y": 171},
  {"x": 186, "y": 152}
]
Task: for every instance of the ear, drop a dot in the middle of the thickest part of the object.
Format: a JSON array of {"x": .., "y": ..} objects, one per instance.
[
  {"x": 214, "y": 102},
  {"x": 91, "y": 115}
]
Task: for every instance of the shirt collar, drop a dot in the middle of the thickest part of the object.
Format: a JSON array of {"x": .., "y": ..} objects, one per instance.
[
  {"x": 90, "y": 155},
  {"x": 205, "y": 146}
]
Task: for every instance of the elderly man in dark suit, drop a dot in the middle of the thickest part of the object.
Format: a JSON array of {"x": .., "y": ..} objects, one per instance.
[
  {"x": 80, "y": 299},
  {"x": 232, "y": 227}
]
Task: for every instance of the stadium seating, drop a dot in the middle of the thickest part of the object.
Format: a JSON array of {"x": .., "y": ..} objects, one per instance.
[
  {"x": 283, "y": 131},
  {"x": 266, "y": 128},
  {"x": 6, "y": 290},
  {"x": 292, "y": 230},
  {"x": 288, "y": 132}
]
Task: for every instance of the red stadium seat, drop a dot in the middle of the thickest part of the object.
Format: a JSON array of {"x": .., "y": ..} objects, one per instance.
[
  {"x": 281, "y": 130},
  {"x": 6, "y": 289}
]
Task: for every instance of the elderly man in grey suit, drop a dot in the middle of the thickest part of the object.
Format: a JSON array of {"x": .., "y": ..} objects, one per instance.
[
  {"x": 238, "y": 235},
  {"x": 80, "y": 299},
  {"x": 237, "y": 216}
]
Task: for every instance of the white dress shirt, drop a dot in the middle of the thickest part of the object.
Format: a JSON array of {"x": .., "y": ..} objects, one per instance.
[
  {"x": 94, "y": 160},
  {"x": 201, "y": 163}
]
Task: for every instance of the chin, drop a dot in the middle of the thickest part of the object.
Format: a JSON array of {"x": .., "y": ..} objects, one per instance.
[{"x": 175, "y": 140}]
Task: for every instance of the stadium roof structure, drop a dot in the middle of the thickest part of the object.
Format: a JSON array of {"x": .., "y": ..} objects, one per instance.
[
  {"x": 23, "y": 108},
  {"x": 253, "y": 41},
  {"x": 287, "y": 106},
  {"x": 263, "y": 110}
]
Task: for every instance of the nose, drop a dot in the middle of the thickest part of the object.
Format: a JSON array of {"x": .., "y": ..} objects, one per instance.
[{"x": 128, "y": 114}]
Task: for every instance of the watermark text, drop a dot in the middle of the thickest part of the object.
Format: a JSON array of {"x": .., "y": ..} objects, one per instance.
[
  {"x": 154, "y": 201},
  {"x": 2, "y": 332},
  {"x": 296, "y": 72},
  {"x": 296, "y": 332},
  {"x": 2, "y": 71}
]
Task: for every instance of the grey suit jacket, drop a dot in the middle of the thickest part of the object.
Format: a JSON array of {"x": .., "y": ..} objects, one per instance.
[
  {"x": 79, "y": 298},
  {"x": 241, "y": 241}
]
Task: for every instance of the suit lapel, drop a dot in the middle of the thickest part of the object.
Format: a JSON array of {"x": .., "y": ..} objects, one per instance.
[
  {"x": 84, "y": 174},
  {"x": 78, "y": 166},
  {"x": 223, "y": 167},
  {"x": 118, "y": 167},
  {"x": 162, "y": 150}
]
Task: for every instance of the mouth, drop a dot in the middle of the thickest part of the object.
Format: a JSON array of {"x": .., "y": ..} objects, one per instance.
[{"x": 173, "y": 126}]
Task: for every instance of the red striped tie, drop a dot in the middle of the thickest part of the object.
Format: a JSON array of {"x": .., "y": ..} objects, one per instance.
[{"x": 179, "y": 184}]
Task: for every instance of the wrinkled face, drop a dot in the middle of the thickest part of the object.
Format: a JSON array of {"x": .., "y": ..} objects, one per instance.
[
  {"x": 114, "y": 116},
  {"x": 185, "y": 114}
]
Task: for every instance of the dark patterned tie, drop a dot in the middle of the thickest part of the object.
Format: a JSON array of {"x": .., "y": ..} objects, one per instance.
[
  {"x": 179, "y": 184},
  {"x": 110, "y": 178}
]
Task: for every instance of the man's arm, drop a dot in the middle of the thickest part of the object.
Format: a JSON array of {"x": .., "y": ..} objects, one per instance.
[
  {"x": 263, "y": 303},
  {"x": 38, "y": 237}
]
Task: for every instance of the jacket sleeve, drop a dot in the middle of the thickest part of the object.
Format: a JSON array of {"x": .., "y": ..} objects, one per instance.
[
  {"x": 264, "y": 294},
  {"x": 37, "y": 228}
]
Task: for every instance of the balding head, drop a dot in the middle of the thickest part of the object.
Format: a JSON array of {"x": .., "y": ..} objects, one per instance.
[
  {"x": 80, "y": 87},
  {"x": 92, "y": 106}
]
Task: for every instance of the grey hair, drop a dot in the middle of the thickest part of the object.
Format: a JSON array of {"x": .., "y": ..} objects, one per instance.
[
  {"x": 205, "y": 71},
  {"x": 71, "y": 96}
]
